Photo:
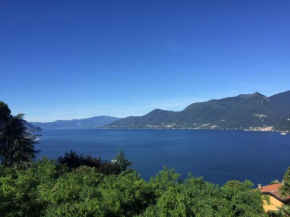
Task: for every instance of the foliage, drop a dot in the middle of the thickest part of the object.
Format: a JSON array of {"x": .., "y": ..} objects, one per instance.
[
  {"x": 283, "y": 211},
  {"x": 73, "y": 160},
  {"x": 121, "y": 163},
  {"x": 49, "y": 189},
  {"x": 285, "y": 189},
  {"x": 276, "y": 181},
  {"x": 4, "y": 113},
  {"x": 16, "y": 144}
]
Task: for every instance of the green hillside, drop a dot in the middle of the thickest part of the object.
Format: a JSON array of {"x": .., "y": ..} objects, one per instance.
[{"x": 246, "y": 111}]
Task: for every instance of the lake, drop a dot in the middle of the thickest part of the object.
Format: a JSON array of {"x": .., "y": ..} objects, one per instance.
[{"x": 218, "y": 156}]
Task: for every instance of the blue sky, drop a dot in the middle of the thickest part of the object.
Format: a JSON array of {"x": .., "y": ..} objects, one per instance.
[{"x": 74, "y": 59}]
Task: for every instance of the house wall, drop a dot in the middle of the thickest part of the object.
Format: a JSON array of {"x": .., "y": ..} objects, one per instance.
[{"x": 274, "y": 204}]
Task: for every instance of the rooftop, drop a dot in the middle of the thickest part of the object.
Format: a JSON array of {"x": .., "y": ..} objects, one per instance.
[{"x": 273, "y": 190}]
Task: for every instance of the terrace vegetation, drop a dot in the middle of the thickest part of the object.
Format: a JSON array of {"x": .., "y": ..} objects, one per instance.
[{"x": 79, "y": 185}]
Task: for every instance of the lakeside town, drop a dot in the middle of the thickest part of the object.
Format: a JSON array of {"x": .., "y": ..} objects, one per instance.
[{"x": 194, "y": 126}]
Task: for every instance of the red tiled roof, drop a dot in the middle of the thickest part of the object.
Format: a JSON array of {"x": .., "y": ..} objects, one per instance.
[
  {"x": 274, "y": 191},
  {"x": 271, "y": 188}
]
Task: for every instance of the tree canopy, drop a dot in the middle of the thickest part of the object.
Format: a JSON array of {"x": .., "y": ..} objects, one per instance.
[
  {"x": 73, "y": 160},
  {"x": 48, "y": 188}
]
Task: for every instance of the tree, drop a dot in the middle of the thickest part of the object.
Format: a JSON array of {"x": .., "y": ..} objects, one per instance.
[
  {"x": 73, "y": 160},
  {"x": 44, "y": 190},
  {"x": 16, "y": 144},
  {"x": 4, "y": 113},
  {"x": 285, "y": 188},
  {"x": 121, "y": 162}
]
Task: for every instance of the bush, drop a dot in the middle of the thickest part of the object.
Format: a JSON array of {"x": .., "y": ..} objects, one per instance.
[{"x": 49, "y": 188}]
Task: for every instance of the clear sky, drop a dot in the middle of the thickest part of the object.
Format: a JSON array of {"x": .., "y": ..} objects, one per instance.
[{"x": 65, "y": 59}]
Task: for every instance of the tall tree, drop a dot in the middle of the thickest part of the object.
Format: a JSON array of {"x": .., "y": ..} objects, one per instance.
[{"x": 16, "y": 144}]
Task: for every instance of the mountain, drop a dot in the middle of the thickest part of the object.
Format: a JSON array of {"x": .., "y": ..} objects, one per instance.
[
  {"x": 94, "y": 122},
  {"x": 282, "y": 98},
  {"x": 30, "y": 127},
  {"x": 245, "y": 111}
]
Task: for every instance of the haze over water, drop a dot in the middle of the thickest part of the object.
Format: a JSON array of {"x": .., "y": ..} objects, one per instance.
[{"x": 218, "y": 156}]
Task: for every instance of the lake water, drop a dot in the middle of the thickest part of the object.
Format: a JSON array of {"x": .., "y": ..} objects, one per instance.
[{"x": 218, "y": 156}]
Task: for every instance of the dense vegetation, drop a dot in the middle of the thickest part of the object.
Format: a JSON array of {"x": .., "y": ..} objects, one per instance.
[
  {"x": 241, "y": 112},
  {"x": 51, "y": 189},
  {"x": 72, "y": 160},
  {"x": 78, "y": 185}
]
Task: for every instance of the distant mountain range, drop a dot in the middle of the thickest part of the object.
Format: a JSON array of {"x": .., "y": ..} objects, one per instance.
[
  {"x": 94, "y": 122},
  {"x": 245, "y": 112}
]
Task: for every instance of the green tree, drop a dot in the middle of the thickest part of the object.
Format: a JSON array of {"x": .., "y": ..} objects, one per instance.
[
  {"x": 121, "y": 162},
  {"x": 284, "y": 211},
  {"x": 4, "y": 113},
  {"x": 285, "y": 188},
  {"x": 73, "y": 160},
  {"x": 46, "y": 189},
  {"x": 16, "y": 144}
]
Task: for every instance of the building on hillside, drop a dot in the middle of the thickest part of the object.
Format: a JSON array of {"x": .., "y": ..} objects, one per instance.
[{"x": 276, "y": 200}]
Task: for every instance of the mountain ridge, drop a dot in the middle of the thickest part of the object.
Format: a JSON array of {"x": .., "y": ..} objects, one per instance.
[
  {"x": 30, "y": 127},
  {"x": 92, "y": 122},
  {"x": 245, "y": 112}
]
